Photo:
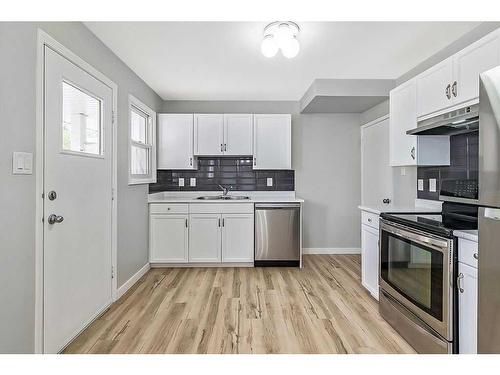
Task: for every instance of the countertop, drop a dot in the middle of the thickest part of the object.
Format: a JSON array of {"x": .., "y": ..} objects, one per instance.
[
  {"x": 419, "y": 206},
  {"x": 255, "y": 197},
  {"x": 471, "y": 235}
]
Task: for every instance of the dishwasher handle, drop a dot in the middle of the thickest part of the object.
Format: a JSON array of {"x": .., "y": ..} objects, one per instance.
[{"x": 276, "y": 206}]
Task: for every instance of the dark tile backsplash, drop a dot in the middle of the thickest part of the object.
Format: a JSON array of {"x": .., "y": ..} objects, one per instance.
[
  {"x": 234, "y": 171},
  {"x": 464, "y": 164}
]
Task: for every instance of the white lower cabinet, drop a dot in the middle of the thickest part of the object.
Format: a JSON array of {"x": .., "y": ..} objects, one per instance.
[
  {"x": 201, "y": 233},
  {"x": 237, "y": 238},
  {"x": 168, "y": 239},
  {"x": 467, "y": 309},
  {"x": 204, "y": 238},
  {"x": 369, "y": 259}
]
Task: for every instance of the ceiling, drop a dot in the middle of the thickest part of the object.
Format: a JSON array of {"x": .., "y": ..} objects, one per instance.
[{"x": 222, "y": 60}]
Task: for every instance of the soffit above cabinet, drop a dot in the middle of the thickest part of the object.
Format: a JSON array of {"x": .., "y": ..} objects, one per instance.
[{"x": 345, "y": 95}]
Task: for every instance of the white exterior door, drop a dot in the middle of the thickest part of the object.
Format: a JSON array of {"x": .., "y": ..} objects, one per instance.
[
  {"x": 376, "y": 171},
  {"x": 467, "y": 309},
  {"x": 77, "y": 256},
  {"x": 272, "y": 137},
  {"x": 369, "y": 256},
  {"x": 238, "y": 134},
  {"x": 168, "y": 241},
  {"x": 175, "y": 141},
  {"x": 205, "y": 238},
  {"x": 434, "y": 88},
  {"x": 237, "y": 238},
  {"x": 208, "y": 134}
]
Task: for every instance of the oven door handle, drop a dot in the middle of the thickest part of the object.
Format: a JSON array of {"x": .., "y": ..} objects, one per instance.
[{"x": 438, "y": 244}]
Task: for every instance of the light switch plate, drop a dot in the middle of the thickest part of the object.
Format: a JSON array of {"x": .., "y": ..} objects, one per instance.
[
  {"x": 420, "y": 184},
  {"x": 403, "y": 171},
  {"x": 22, "y": 163},
  {"x": 432, "y": 185},
  {"x": 269, "y": 181},
  {"x": 181, "y": 181},
  {"x": 192, "y": 181}
]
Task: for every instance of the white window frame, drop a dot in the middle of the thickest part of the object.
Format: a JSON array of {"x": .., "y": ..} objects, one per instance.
[{"x": 150, "y": 142}]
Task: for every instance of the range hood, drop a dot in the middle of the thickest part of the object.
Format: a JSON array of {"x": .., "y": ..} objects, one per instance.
[{"x": 461, "y": 120}]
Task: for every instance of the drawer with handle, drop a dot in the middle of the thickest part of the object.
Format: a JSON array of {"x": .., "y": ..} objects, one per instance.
[
  {"x": 168, "y": 208},
  {"x": 370, "y": 219},
  {"x": 467, "y": 252}
]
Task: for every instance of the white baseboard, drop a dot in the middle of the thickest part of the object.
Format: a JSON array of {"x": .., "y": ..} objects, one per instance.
[
  {"x": 331, "y": 250},
  {"x": 130, "y": 282}
]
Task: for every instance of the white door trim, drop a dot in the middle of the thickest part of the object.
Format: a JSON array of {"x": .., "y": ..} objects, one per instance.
[{"x": 44, "y": 39}]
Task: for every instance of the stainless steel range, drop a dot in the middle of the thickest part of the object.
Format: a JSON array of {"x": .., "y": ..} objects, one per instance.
[{"x": 418, "y": 270}]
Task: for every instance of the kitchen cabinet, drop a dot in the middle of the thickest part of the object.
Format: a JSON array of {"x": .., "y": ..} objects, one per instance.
[
  {"x": 479, "y": 57},
  {"x": 407, "y": 149},
  {"x": 272, "y": 137},
  {"x": 175, "y": 141},
  {"x": 434, "y": 88},
  {"x": 455, "y": 80},
  {"x": 237, "y": 238},
  {"x": 205, "y": 238},
  {"x": 208, "y": 134},
  {"x": 228, "y": 134},
  {"x": 370, "y": 252},
  {"x": 467, "y": 307},
  {"x": 238, "y": 134}
]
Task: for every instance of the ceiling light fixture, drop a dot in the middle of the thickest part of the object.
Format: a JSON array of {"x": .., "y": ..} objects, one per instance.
[{"x": 281, "y": 35}]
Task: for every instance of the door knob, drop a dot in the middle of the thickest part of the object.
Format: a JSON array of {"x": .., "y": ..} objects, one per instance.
[{"x": 52, "y": 219}]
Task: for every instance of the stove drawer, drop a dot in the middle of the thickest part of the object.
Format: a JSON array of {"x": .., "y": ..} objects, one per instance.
[
  {"x": 369, "y": 219},
  {"x": 467, "y": 252}
]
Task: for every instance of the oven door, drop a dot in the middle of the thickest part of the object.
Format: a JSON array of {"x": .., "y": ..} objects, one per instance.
[{"x": 415, "y": 269}]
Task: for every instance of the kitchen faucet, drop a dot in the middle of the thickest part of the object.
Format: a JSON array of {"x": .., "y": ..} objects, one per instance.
[{"x": 225, "y": 189}]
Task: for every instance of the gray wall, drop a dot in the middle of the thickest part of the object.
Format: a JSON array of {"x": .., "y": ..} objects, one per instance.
[
  {"x": 17, "y": 193},
  {"x": 327, "y": 163}
]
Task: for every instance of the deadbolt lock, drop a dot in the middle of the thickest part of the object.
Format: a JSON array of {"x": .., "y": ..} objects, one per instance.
[{"x": 52, "y": 195}]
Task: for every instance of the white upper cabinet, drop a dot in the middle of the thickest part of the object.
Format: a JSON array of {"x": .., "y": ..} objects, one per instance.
[
  {"x": 238, "y": 134},
  {"x": 403, "y": 117},
  {"x": 434, "y": 88},
  {"x": 477, "y": 58},
  {"x": 272, "y": 141},
  {"x": 455, "y": 81},
  {"x": 175, "y": 141},
  {"x": 208, "y": 134}
]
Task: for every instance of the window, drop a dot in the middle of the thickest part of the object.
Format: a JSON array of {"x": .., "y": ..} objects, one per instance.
[
  {"x": 81, "y": 127},
  {"x": 142, "y": 150}
]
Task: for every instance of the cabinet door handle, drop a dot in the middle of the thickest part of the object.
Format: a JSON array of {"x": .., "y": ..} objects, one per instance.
[
  {"x": 459, "y": 282},
  {"x": 369, "y": 220},
  {"x": 225, "y": 146},
  {"x": 454, "y": 89},
  {"x": 412, "y": 153},
  {"x": 475, "y": 256},
  {"x": 219, "y": 222},
  {"x": 448, "y": 93},
  {"x": 254, "y": 161},
  {"x": 191, "y": 162},
  {"x": 221, "y": 147},
  {"x": 223, "y": 221},
  {"x": 186, "y": 222}
]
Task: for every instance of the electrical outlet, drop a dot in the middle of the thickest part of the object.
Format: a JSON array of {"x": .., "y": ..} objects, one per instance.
[
  {"x": 403, "y": 171},
  {"x": 432, "y": 185},
  {"x": 420, "y": 184},
  {"x": 269, "y": 181},
  {"x": 192, "y": 181},
  {"x": 181, "y": 181}
]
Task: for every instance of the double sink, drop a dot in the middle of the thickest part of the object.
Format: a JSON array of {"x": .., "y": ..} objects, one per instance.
[{"x": 223, "y": 197}]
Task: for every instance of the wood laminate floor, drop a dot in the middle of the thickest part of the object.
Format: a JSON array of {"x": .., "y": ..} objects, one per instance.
[{"x": 321, "y": 308}]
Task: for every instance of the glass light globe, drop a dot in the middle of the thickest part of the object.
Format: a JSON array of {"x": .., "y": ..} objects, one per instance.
[
  {"x": 283, "y": 35},
  {"x": 269, "y": 48},
  {"x": 291, "y": 48}
]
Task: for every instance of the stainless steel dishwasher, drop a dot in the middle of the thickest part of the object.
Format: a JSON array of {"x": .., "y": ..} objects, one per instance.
[{"x": 277, "y": 234}]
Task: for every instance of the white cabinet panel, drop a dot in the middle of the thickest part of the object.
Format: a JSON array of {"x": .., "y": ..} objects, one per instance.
[
  {"x": 168, "y": 239},
  {"x": 403, "y": 117},
  {"x": 175, "y": 141},
  {"x": 204, "y": 238},
  {"x": 369, "y": 259},
  {"x": 208, "y": 134},
  {"x": 272, "y": 136},
  {"x": 470, "y": 62},
  {"x": 238, "y": 134},
  {"x": 237, "y": 238},
  {"x": 434, "y": 88},
  {"x": 467, "y": 309}
]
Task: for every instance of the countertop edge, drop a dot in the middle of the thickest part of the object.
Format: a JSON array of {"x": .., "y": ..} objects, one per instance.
[{"x": 467, "y": 235}]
